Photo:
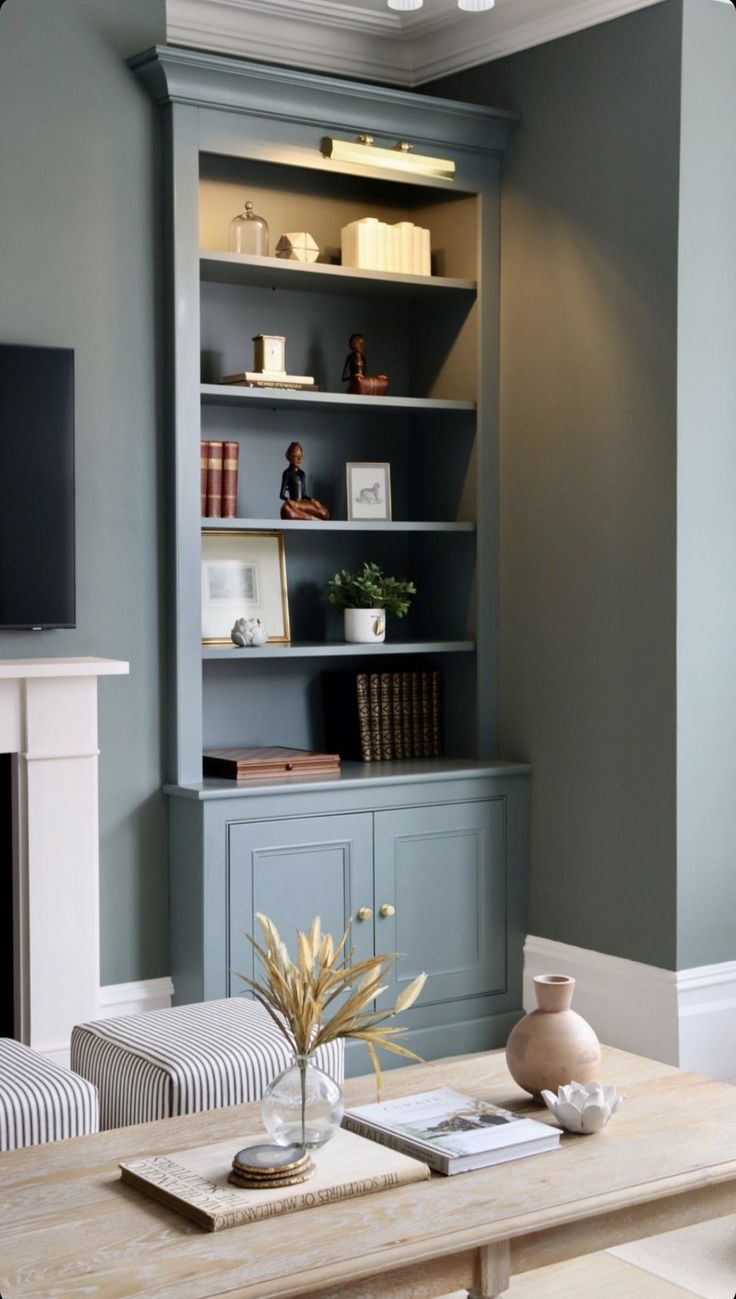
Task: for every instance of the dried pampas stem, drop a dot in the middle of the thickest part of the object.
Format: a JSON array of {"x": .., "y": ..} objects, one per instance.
[{"x": 296, "y": 994}]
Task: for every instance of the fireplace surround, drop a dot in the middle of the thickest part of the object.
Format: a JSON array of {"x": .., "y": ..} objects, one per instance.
[{"x": 48, "y": 722}]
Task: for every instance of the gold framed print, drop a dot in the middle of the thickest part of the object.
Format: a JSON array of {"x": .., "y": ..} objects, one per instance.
[{"x": 243, "y": 576}]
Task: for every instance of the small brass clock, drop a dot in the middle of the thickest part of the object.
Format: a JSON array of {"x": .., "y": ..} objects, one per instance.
[{"x": 269, "y": 354}]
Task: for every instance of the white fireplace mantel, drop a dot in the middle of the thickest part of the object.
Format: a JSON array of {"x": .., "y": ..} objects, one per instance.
[{"x": 48, "y": 720}]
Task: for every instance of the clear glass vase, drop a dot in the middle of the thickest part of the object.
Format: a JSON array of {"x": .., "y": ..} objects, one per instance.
[{"x": 303, "y": 1106}]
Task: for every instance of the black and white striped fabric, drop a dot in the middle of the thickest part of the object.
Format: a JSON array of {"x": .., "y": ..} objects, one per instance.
[
  {"x": 185, "y": 1060},
  {"x": 40, "y": 1101}
]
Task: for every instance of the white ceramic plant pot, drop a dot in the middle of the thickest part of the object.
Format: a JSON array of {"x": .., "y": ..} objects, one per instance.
[{"x": 365, "y": 626}]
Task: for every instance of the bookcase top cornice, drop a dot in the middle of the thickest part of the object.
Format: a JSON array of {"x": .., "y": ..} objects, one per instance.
[{"x": 173, "y": 75}]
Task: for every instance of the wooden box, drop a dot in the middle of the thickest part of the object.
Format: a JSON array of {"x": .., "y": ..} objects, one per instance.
[{"x": 262, "y": 763}]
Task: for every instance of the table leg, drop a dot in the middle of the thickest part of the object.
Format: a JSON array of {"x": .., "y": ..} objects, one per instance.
[{"x": 491, "y": 1271}]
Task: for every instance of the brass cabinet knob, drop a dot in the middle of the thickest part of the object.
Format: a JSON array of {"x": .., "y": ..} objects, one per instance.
[
  {"x": 387, "y": 910},
  {"x": 365, "y": 913}
]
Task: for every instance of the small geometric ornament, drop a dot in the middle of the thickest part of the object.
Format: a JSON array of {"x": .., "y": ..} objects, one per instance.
[{"x": 298, "y": 247}]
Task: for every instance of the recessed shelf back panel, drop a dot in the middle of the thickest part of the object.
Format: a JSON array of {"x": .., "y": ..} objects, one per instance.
[
  {"x": 431, "y": 466},
  {"x": 322, "y": 203},
  {"x": 425, "y": 348},
  {"x": 280, "y": 702}
]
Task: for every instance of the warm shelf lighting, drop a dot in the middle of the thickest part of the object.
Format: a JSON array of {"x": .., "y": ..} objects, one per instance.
[
  {"x": 405, "y": 4},
  {"x": 400, "y": 158}
]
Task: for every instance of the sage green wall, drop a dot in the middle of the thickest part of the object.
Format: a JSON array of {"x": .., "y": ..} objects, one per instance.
[
  {"x": 706, "y": 488},
  {"x": 588, "y": 427},
  {"x": 77, "y": 268}
]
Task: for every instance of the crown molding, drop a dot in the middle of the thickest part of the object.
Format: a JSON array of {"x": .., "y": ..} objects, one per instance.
[
  {"x": 377, "y": 44},
  {"x": 520, "y": 26},
  {"x": 327, "y": 38}
]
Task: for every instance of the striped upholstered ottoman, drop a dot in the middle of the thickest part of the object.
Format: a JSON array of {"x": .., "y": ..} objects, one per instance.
[
  {"x": 185, "y": 1060},
  {"x": 40, "y": 1101}
]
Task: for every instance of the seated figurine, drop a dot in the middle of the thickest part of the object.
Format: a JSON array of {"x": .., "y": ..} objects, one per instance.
[
  {"x": 297, "y": 505},
  {"x": 354, "y": 373}
]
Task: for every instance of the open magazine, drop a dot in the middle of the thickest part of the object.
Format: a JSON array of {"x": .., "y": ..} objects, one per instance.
[{"x": 450, "y": 1131}]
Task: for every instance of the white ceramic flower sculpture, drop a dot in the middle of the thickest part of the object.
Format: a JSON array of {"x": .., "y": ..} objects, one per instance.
[
  {"x": 583, "y": 1109},
  {"x": 249, "y": 631}
]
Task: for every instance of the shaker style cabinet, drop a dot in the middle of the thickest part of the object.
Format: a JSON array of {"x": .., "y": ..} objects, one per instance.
[
  {"x": 423, "y": 856},
  {"x": 429, "y": 884},
  {"x": 437, "y": 874}
]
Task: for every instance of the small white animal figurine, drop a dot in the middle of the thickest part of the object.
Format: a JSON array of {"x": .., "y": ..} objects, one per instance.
[
  {"x": 249, "y": 631},
  {"x": 370, "y": 495},
  {"x": 583, "y": 1109}
]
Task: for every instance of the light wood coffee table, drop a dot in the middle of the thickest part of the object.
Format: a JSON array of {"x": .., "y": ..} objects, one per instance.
[{"x": 69, "y": 1228}]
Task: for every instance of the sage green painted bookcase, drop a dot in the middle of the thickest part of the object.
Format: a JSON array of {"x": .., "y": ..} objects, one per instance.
[{"x": 427, "y": 858}]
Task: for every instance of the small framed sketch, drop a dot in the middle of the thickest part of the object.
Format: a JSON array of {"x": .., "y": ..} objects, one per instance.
[
  {"x": 243, "y": 576},
  {"x": 368, "y": 489}
]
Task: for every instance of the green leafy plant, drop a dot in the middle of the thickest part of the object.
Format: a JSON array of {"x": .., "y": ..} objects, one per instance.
[{"x": 370, "y": 589}]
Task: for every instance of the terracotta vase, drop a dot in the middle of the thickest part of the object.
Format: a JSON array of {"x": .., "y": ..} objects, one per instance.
[{"x": 552, "y": 1046}]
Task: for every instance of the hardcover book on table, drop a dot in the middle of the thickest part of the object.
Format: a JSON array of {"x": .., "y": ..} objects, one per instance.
[
  {"x": 195, "y": 1182},
  {"x": 450, "y": 1131}
]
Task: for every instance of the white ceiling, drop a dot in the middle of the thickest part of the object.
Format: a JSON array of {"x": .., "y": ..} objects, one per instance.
[{"x": 364, "y": 38}]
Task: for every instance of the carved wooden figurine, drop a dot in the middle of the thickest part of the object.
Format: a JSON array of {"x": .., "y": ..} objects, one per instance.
[
  {"x": 354, "y": 372},
  {"x": 297, "y": 505}
]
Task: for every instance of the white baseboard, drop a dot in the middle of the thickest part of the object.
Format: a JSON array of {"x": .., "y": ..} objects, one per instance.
[
  {"x": 57, "y": 1055},
  {"x": 117, "y": 999},
  {"x": 707, "y": 1006},
  {"x": 684, "y": 1017}
]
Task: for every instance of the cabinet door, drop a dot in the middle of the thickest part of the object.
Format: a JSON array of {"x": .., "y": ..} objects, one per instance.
[
  {"x": 443, "y": 870},
  {"x": 293, "y": 870}
]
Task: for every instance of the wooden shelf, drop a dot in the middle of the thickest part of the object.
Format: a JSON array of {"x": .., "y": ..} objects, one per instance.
[
  {"x": 333, "y": 525},
  {"x": 336, "y": 649},
  {"x": 316, "y": 277},
  {"x": 223, "y": 394},
  {"x": 357, "y": 775}
]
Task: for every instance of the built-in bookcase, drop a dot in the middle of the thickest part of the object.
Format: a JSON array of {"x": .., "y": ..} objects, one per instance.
[{"x": 426, "y": 857}]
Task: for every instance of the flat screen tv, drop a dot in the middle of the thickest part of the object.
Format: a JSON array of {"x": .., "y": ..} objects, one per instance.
[{"x": 37, "y": 588}]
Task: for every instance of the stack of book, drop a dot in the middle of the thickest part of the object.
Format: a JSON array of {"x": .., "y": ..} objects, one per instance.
[
  {"x": 219, "y": 479},
  {"x": 372, "y": 716},
  {"x": 372, "y": 245},
  {"x": 271, "y": 379}
]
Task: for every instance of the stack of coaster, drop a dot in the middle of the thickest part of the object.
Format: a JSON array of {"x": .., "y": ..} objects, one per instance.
[{"x": 264, "y": 1168}]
